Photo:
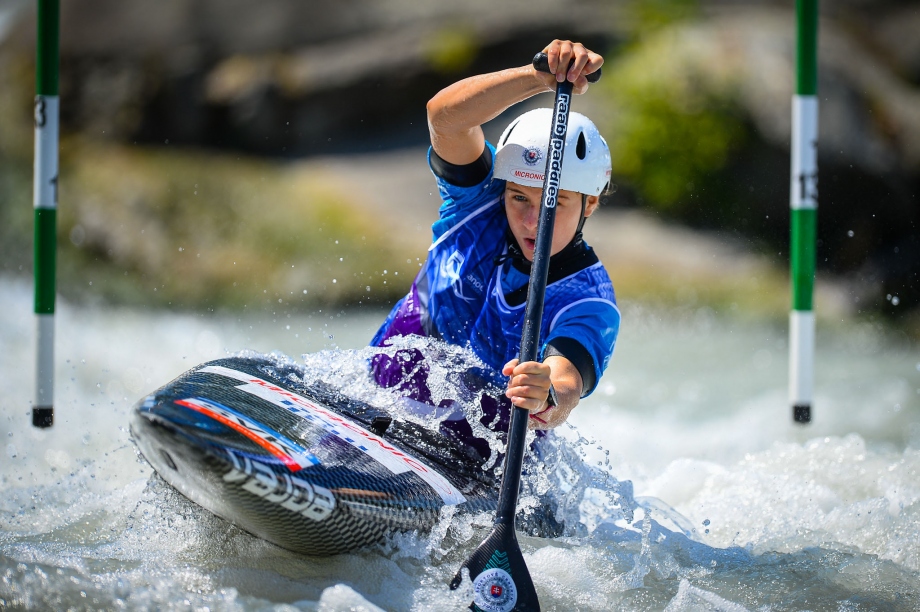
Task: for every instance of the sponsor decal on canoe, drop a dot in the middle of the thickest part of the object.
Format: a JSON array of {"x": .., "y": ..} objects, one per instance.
[
  {"x": 292, "y": 455},
  {"x": 376, "y": 447},
  {"x": 290, "y": 492}
]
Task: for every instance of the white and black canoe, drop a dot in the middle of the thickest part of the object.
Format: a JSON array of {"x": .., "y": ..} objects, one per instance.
[{"x": 299, "y": 465}]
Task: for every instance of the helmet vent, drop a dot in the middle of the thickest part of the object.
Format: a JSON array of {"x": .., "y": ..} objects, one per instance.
[
  {"x": 581, "y": 147},
  {"x": 508, "y": 132}
]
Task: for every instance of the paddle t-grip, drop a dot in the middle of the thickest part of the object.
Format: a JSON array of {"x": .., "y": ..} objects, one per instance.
[{"x": 541, "y": 64}]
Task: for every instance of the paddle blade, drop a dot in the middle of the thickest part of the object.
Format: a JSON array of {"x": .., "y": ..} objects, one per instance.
[{"x": 501, "y": 581}]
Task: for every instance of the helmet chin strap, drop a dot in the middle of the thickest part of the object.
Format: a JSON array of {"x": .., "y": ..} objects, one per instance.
[{"x": 581, "y": 222}]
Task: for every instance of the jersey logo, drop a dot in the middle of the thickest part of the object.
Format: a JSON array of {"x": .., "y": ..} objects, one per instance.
[{"x": 451, "y": 270}]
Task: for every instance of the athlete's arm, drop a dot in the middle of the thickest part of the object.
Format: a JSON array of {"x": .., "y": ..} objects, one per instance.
[
  {"x": 456, "y": 113},
  {"x": 528, "y": 387}
]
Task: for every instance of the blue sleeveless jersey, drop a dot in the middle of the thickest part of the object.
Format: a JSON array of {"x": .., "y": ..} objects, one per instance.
[{"x": 460, "y": 293}]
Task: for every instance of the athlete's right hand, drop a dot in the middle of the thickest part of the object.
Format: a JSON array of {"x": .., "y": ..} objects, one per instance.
[{"x": 528, "y": 384}]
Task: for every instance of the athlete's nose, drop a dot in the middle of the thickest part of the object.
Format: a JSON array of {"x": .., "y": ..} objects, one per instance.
[{"x": 532, "y": 216}]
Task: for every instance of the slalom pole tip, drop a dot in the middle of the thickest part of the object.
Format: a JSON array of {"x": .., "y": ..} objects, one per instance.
[
  {"x": 801, "y": 413},
  {"x": 42, "y": 417}
]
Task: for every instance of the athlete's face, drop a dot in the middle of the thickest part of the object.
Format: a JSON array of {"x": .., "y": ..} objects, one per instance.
[{"x": 522, "y": 205}]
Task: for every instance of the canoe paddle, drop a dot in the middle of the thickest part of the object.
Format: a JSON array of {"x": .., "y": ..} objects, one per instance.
[{"x": 501, "y": 580}]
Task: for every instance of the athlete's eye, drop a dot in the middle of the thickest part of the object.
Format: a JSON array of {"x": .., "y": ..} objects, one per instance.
[{"x": 564, "y": 198}]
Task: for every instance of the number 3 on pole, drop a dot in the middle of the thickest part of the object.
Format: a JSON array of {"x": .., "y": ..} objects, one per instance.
[{"x": 40, "y": 112}]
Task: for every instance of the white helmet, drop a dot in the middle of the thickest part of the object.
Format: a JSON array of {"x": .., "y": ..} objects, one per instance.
[{"x": 521, "y": 153}]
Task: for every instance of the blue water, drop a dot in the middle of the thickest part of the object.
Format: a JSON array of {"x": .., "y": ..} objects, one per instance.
[{"x": 692, "y": 488}]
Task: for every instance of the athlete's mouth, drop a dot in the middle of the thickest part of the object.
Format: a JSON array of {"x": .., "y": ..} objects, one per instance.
[{"x": 530, "y": 243}]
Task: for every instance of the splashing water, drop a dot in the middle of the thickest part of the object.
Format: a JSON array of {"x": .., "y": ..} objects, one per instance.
[{"x": 682, "y": 483}]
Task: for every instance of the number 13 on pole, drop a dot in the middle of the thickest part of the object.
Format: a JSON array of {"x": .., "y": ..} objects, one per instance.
[{"x": 803, "y": 202}]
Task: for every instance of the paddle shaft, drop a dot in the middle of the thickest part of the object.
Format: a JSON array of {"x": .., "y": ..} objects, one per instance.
[
  {"x": 501, "y": 580},
  {"x": 533, "y": 313}
]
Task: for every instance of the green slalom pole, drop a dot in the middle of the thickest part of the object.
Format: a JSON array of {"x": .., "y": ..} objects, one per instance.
[
  {"x": 804, "y": 212},
  {"x": 45, "y": 202}
]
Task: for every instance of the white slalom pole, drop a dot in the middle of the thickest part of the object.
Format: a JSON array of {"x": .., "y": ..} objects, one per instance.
[
  {"x": 45, "y": 204},
  {"x": 803, "y": 202}
]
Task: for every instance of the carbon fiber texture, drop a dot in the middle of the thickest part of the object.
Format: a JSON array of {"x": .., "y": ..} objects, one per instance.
[{"x": 299, "y": 466}]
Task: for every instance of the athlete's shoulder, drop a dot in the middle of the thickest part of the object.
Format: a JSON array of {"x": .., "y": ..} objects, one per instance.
[
  {"x": 475, "y": 208},
  {"x": 600, "y": 280},
  {"x": 463, "y": 187}
]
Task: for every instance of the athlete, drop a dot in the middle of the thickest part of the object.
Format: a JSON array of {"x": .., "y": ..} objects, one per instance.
[{"x": 472, "y": 288}]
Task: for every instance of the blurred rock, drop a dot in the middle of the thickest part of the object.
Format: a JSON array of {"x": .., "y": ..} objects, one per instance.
[{"x": 284, "y": 77}]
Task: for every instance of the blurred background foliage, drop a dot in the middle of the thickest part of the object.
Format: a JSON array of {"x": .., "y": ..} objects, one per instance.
[
  {"x": 452, "y": 49},
  {"x": 671, "y": 125},
  {"x": 195, "y": 136}
]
